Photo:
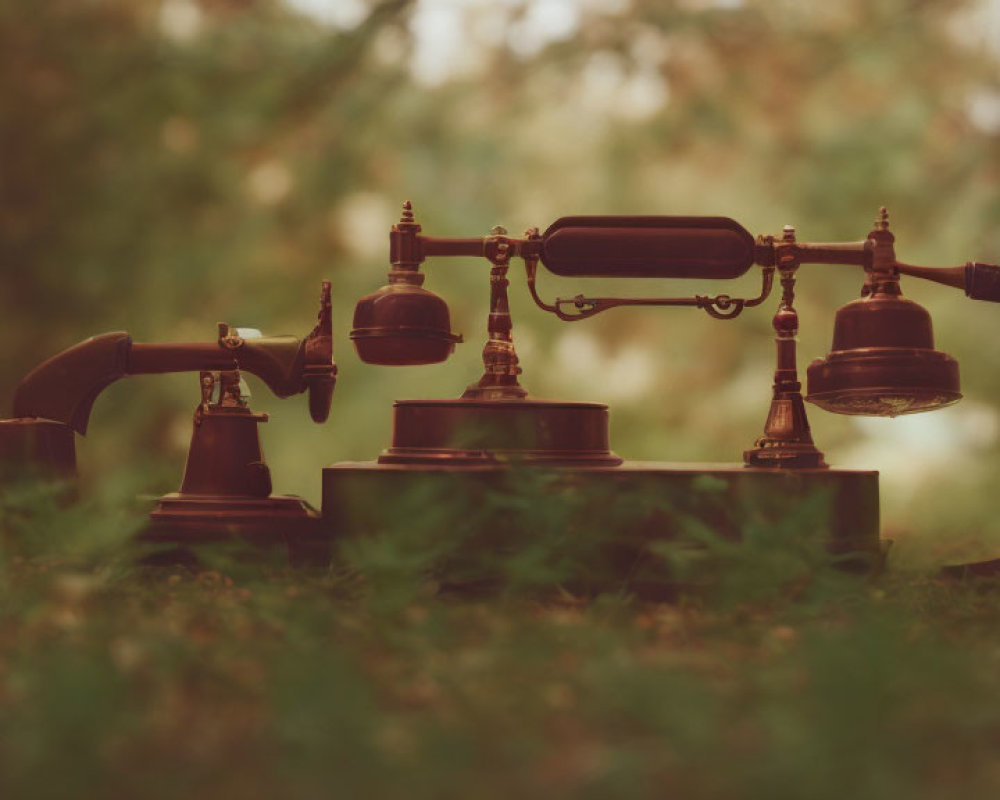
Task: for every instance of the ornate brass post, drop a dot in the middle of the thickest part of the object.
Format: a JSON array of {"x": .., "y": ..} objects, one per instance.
[
  {"x": 787, "y": 441},
  {"x": 499, "y": 381}
]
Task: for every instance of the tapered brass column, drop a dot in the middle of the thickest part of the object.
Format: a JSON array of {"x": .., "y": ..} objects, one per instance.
[
  {"x": 500, "y": 362},
  {"x": 787, "y": 441}
]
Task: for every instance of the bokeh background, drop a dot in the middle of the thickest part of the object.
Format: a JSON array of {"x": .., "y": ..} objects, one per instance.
[{"x": 166, "y": 165}]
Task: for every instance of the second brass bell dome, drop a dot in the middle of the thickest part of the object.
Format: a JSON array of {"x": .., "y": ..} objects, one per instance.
[{"x": 883, "y": 362}]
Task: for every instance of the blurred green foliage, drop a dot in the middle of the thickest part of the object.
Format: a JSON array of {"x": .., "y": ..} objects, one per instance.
[{"x": 771, "y": 676}]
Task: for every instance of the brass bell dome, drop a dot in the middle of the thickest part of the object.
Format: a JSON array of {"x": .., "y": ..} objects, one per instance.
[
  {"x": 403, "y": 323},
  {"x": 883, "y": 362}
]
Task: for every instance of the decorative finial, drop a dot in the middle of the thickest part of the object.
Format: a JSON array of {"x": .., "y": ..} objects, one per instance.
[
  {"x": 788, "y": 233},
  {"x": 325, "y": 308},
  {"x": 883, "y": 219},
  {"x": 498, "y": 230},
  {"x": 407, "y": 215}
]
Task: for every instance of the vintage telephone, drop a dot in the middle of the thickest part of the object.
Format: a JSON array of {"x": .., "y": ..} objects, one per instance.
[
  {"x": 226, "y": 481},
  {"x": 883, "y": 361}
]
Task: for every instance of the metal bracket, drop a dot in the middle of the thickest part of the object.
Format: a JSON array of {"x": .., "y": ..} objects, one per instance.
[{"x": 721, "y": 306}]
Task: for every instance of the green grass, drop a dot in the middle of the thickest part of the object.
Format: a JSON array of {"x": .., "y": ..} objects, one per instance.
[{"x": 776, "y": 676}]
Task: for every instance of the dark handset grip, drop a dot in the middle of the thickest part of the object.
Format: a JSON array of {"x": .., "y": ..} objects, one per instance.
[
  {"x": 982, "y": 281},
  {"x": 648, "y": 247}
]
